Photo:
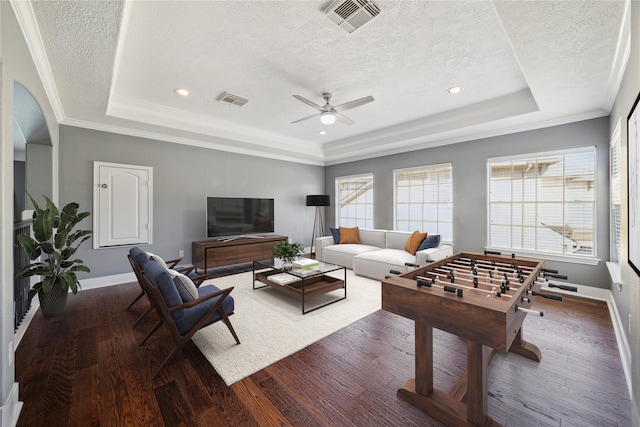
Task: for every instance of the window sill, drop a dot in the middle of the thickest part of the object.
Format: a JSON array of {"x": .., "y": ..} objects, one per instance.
[
  {"x": 549, "y": 256},
  {"x": 615, "y": 273}
]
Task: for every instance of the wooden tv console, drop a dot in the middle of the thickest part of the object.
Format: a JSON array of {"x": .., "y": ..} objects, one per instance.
[{"x": 216, "y": 253}]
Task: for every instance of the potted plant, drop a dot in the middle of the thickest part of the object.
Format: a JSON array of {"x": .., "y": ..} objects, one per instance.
[
  {"x": 55, "y": 240},
  {"x": 287, "y": 252}
]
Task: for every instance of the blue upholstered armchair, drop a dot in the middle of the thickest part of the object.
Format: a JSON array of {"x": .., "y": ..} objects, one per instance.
[{"x": 183, "y": 307}]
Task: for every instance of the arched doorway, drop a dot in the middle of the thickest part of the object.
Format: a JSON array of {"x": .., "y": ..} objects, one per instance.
[{"x": 32, "y": 171}]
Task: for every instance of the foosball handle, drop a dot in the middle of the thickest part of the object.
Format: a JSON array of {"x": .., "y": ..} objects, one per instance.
[
  {"x": 547, "y": 296},
  {"x": 486, "y": 252},
  {"x": 563, "y": 287},
  {"x": 528, "y": 310},
  {"x": 423, "y": 282},
  {"x": 412, "y": 265},
  {"x": 395, "y": 272},
  {"x": 555, "y": 276}
]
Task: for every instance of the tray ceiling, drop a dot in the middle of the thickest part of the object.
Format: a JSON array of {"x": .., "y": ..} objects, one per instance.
[{"x": 114, "y": 66}]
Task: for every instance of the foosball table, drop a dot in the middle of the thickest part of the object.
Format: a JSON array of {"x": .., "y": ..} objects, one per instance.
[{"x": 481, "y": 297}]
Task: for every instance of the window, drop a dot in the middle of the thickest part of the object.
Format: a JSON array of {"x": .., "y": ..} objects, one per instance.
[
  {"x": 355, "y": 201},
  {"x": 615, "y": 192},
  {"x": 544, "y": 203},
  {"x": 424, "y": 200}
]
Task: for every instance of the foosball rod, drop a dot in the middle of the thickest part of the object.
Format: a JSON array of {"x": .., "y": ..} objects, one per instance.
[
  {"x": 498, "y": 264},
  {"x": 447, "y": 288},
  {"x": 486, "y": 266},
  {"x": 482, "y": 269},
  {"x": 546, "y": 281},
  {"x": 458, "y": 284},
  {"x": 563, "y": 287},
  {"x": 498, "y": 279},
  {"x": 547, "y": 296},
  {"x": 528, "y": 310}
]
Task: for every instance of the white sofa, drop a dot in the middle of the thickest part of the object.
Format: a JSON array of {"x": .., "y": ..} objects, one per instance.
[{"x": 379, "y": 252}]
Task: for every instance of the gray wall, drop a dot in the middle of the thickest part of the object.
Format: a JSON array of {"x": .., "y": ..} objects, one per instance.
[
  {"x": 627, "y": 299},
  {"x": 469, "y": 161},
  {"x": 183, "y": 176},
  {"x": 39, "y": 172},
  {"x": 19, "y": 187}
]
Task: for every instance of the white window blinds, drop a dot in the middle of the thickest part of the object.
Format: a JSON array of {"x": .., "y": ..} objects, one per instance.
[
  {"x": 354, "y": 207},
  {"x": 424, "y": 200},
  {"x": 615, "y": 194},
  {"x": 543, "y": 202}
]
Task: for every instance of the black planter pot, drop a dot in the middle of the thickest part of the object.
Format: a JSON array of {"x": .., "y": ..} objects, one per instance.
[{"x": 53, "y": 302}]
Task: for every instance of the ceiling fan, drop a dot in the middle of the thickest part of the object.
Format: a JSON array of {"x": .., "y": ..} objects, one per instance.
[{"x": 329, "y": 113}]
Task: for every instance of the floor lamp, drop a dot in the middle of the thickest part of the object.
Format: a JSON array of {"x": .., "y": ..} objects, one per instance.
[{"x": 318, "y": 200}]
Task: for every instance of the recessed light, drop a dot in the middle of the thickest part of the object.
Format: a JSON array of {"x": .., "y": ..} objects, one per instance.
[
  {"x": 454, "y": 90},
  {"x": 323, "y": 132},
  {"x": 183, "y": 92}
]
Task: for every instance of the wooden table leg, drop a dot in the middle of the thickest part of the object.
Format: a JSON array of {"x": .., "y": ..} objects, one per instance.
[
  {"x": 424, "y": 358},
  {"x": 477, "y": 384},
  {"x": 451, "y": 411},
  {"x": 525, "y": 349}
]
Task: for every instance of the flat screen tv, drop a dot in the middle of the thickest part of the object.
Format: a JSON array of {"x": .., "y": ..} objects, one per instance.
[{"x": 238, "y": 216}]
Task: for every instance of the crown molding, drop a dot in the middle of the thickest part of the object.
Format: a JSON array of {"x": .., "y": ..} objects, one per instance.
[
  {"x": 31, "y": 32},
  {"x": 620, "y": 59},
  {"x": 468, "y": 135},
  {"x": 503, "y": 107},
  {"x": 159, "y": 115},
  {"x": 310, "y": 160}
]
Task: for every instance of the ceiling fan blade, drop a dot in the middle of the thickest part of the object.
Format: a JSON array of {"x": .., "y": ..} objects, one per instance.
[
  {"x": 306, "y": 118},
  {"x": 343, "y": 119},
  {"x": 309, "y": 103},
  {"x": 353, "y": 104}
]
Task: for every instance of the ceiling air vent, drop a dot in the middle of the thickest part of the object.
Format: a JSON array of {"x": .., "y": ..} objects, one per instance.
[
  {"x": 352, "y": 14},
  {"x": 231, "y": 99}
]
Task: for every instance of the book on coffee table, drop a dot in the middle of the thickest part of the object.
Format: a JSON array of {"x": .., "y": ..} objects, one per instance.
[
  {"x": 306, "y": 263},
  {"x": 283, "y": 279}
]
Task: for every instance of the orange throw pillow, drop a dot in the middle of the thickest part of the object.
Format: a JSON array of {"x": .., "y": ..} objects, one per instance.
[
  {"x": 349, "y": 235},
  {"x": 413, "y": 242}
]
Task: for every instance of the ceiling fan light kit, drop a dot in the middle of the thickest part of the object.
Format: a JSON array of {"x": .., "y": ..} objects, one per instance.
[{"x": 327, "y": 118}]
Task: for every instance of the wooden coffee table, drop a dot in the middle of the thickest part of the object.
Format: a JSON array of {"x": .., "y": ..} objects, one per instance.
[{"x": 300, "y": 283}]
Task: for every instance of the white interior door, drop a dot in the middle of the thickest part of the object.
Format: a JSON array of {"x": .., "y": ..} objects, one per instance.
[{"x": 122, "y": 205}]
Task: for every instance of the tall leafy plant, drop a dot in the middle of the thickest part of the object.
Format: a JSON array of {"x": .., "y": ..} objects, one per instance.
[{"x": 56, "y": 240}]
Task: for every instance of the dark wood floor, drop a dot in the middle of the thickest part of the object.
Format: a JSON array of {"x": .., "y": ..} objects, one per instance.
[{"x": 85, "y": 369}]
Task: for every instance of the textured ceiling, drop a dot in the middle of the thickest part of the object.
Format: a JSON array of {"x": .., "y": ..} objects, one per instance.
[{"x": 523, "y": 65}]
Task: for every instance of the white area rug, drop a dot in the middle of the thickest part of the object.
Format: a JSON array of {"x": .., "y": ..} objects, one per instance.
[{"x": 270, "y": 324}]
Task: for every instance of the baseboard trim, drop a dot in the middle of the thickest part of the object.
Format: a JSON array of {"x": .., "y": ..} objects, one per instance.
[
  {"x": 618, "y": 326},
  {"x": 101, "y": 282},
  {"x": 11, "y": 408}
]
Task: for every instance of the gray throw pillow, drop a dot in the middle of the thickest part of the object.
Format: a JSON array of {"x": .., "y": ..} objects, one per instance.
[
  {"x": 187, "y": 289},
  {"x": 155, "y": 258}
]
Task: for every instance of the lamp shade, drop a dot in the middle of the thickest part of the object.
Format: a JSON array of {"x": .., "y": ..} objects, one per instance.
[{"x": 319, "y": 200}]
